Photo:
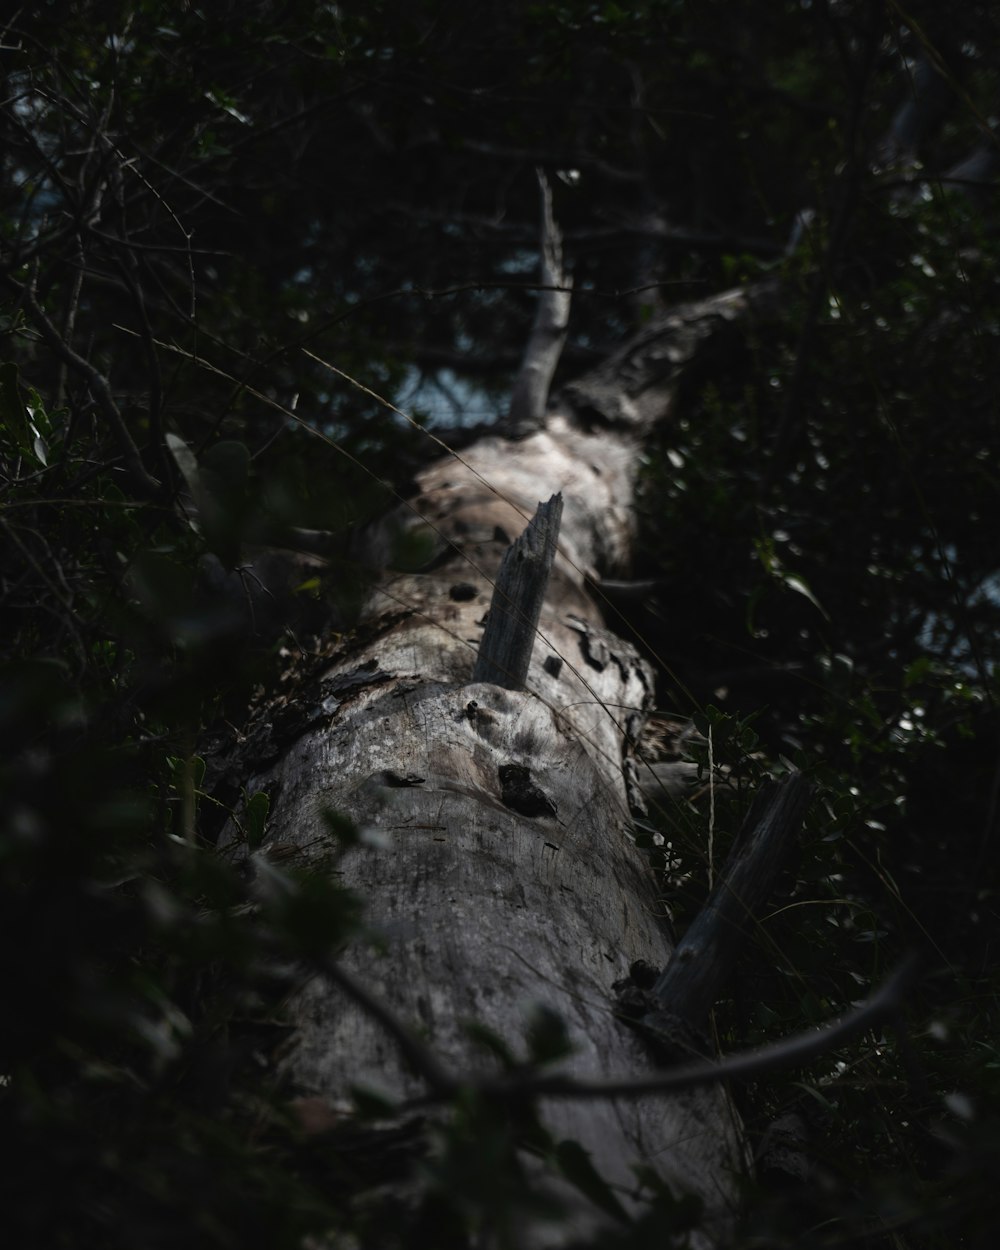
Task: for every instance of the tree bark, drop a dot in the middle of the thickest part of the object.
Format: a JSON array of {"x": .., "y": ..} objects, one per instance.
[{"x": 502, "y": 872}]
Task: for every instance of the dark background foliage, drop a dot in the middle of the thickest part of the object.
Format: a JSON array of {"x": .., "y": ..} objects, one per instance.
[{"x": 192, "y": 198}]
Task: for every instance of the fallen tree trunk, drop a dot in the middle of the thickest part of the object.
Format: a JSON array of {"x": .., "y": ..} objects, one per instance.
[{"x": 500, "y": 871}]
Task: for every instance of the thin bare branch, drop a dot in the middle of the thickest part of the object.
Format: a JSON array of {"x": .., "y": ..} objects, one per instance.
[
  {"x": 531, "y": 388},
  {"x": 791, "y": 1052},
  {"x": 882, "y": 1006}
]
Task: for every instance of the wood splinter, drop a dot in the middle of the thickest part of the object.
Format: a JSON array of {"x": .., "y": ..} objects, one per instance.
[{"x": 509, "y": 636}]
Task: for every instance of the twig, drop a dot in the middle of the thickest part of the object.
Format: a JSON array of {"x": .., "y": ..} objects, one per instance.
[
  {"x": 711, "y": 810},
  {"x": 99, "y": 387},
  {"x": 69, "y": 615},
  {"x": 790, "y": 1052}
]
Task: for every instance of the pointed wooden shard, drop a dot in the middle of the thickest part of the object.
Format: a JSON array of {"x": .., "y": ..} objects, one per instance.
[{"x": 509, "y": 637}]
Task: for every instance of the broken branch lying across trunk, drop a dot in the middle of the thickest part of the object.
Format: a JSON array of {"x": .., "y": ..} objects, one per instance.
[
  {"x": 499, "y": 866},
  {"x": 883, "y": 1006}
]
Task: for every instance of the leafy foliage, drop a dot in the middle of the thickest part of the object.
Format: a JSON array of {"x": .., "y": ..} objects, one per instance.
[{"x": 192, "y": 196}]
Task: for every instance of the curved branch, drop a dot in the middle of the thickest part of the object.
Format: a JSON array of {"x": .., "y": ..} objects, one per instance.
[
  {"x": 777, "y": 1056},
  {"x": 790, "y": 1052}
]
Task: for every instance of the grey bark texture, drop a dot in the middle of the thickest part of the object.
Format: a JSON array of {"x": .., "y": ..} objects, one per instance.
[{"x": 501, "y": 872}]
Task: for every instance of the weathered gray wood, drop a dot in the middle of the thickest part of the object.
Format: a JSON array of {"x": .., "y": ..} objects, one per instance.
[
  {"x": 530, "y": 393},
  {"x": 702, "y": 962},
  {"x": 509, "y": 637}
]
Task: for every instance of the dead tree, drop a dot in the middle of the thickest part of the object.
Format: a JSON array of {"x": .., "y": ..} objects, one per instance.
[{"x": 492, "y": 783}]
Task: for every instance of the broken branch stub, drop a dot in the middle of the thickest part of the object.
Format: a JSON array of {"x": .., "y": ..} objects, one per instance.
[
  {"x": 701, "y": 964},
  {"x": 530, "y": 394},
  {"x": 509, "y": 636}
]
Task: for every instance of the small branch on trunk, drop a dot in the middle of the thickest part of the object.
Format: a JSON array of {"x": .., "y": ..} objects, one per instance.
[
  {"x": 531, "y": 388},
  {"x": 509, "y": 637},
  {"x": 701, "y": 964},
  {"x": 884, "y": 1005}
]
